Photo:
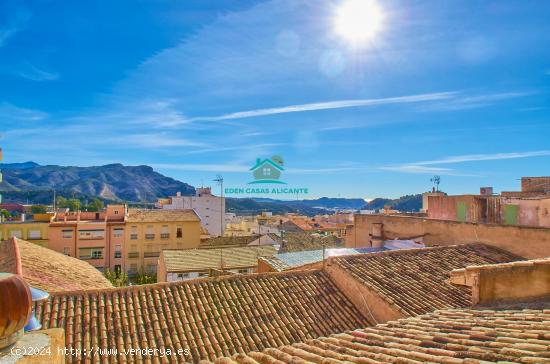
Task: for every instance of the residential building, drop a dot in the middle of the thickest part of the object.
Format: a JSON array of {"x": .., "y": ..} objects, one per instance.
[
  {"x": 425, "y": 199},
  {"x": 179, "y": 265},
  {"x": 148, "y": 232},
  {"x": 30, "y": 230},
  {"x": 48, "y": 270},
  {"x": 96, "y": 237},
  {"x": 210, "y": 208}
]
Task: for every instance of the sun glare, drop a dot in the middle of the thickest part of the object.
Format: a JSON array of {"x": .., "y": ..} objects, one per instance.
[{"x": 358, "y": 21}]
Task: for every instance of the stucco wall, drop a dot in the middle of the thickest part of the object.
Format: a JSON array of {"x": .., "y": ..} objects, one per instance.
[
  {"x": 514, "y": 283},
  {"x": 528, "y": 242}
]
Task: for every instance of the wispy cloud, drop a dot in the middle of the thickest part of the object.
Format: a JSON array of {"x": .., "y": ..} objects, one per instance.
[
  {"x": 10, "y": 113},
  {"x": 203, "y": 167},
  {"x": 16, "y": 22},
  {"x": 340, "y": 104},
  {"x": 473, "y": 101},
  {"x": 430, "y": 166},
  {"x": 33, "y": 73}
]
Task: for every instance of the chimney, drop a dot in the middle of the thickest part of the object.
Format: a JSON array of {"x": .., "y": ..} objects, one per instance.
[{"x": 178, "y": 194}]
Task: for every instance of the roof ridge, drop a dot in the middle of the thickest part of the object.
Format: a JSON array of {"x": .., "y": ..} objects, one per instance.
[
  {"x": 17, "y": 256},
  {"x": 187, "y": 282}
]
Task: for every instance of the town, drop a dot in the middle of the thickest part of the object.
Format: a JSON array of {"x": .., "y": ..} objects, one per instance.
[{"x": 274, "y": 181}]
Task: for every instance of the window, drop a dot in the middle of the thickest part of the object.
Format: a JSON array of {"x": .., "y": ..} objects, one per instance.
[
  {"x": 118, "y": 232},
  {"x": 118, "y": 269},
  {"x": 149, "y": 235},
  {"x": 179, "y": 232},
  {"x": 67, "y": 251},
  {"x": 35, "y": 234},
  {"x": 116, "y": 212},
  {"x": 133, "y": 233},
  {"x": 164, "y": 232},
  {"x": 91, "y": 234},
  {"x": 183, "y": 275},
  {"x": 203, "y": 274},
  {"x": 90, "y": 253},
  {"x": 16, "y": 234},
  {"x": 242, "y": 271},
  {"x": 67, "y": 234},
  {"x": 118, "y": 253},
  {"x": 266, "y": 171}
]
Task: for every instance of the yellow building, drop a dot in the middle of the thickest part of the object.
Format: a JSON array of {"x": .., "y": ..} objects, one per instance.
[
  {"x": 32, "y": 230},
  {"x": 148, "y": 232}
]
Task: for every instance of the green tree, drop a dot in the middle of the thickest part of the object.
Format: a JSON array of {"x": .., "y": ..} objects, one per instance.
[
  {"x": 5, "y": 214},
  {"x": 38, "y": 209},
  {"x": 73, "y": 203},
  {"x": 144, "y": 277},
  {"x": 117, "y": 279},
  {"x": 95, "y": 205}
]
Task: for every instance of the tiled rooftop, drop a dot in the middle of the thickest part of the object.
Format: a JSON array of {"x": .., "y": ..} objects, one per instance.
[
  {"x": 48, "y": 270},
  {"x": 143, "y": 215},
  {"x": 416, "y": 280},
  {"x": 200, "y": 259},
  {"x": 293, "y": 242},
  {"x": 447, "y": 336},
  {"x": 228, "y": 241},
  {"x": 212, "y": 317},
  {"x": 284, "y": 261}
]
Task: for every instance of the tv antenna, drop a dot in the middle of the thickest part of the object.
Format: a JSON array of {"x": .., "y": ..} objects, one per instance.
[
  {"x": 436, "y": 180},
  {"x": 219, "y": 181}
]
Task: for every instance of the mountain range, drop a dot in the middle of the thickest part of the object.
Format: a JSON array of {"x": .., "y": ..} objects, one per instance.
[{"x": 30, "y": 182}]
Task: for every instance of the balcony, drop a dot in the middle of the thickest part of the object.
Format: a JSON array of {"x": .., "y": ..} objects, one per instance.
[
  {"x": 165, "y": 236},
  {"x": 133, "y": 255},
  {"x": 151, "y": 254},
  {"x": 90, "y": 257},
  {"x": 149, "y": 236},
  {"x": 118, "y": 255}
]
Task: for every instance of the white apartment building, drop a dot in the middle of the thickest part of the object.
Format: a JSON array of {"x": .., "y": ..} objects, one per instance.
[{"x": 210, "y": 208}]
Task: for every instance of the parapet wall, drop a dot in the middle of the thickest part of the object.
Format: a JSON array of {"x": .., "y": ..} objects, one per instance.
[{"x": 528, "y": 242}]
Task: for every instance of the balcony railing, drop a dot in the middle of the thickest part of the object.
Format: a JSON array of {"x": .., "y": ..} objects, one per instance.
[
  {"x": 89, "y": 257},
  {"x": 165, "y": 236},
  {"x": 149, "y": 236},
  {"x": 151, "y": 254},
  {"x": 133, "y": 255}
]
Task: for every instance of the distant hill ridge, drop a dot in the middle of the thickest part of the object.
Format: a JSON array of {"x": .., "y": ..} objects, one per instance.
[{"x": 114, "y": 182}]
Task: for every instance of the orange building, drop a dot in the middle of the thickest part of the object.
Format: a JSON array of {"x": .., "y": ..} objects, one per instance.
[{"x": 97, "y": 237}]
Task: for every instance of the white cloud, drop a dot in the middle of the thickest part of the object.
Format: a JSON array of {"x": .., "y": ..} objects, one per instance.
[
  {"x": 339, "y": 104},
  {"x": 472, "y": 102},
  {"x": 33, "y": 73},
  {"x": 425, "y": 167},
  {"x": 11, "y": 113},
  {"x": 16, "y": 22}
]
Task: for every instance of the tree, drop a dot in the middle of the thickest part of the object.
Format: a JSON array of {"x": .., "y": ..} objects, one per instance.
[
  {"x": 38, "y": 209},
  {"x": 5, "y": 214},
  {"x": 117, "y": 279},
  {"x": 145, "y": 277},
  {"x": 73, "y": 203},
  {"x": 95, "y": 205}
]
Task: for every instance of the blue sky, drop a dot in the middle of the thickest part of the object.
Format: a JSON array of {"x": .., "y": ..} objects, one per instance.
[{"x": 197, "y": 88}]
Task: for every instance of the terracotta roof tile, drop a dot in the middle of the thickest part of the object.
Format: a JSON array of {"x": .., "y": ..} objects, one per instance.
[
  {"x": 197, "y": 259},
  {"x": 294, "y": 242},
  {"x": 211, "y": 317},
  {"x": 48, "y": 270},
  {"x": 446, "y": 336},
  {"x": 416, "y": 280},
  {"x": 143, "y": 215}
]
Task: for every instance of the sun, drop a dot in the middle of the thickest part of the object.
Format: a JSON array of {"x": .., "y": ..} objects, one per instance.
[{"x": 358, "y": 21}]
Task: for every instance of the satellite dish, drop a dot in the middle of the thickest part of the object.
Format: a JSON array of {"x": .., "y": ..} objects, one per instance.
[{"x": 278, "y": 159}]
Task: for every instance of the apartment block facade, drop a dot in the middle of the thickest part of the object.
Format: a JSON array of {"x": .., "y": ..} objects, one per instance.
[
  {"x": 148, "y": 232},
  {"x": 96, "y": 237},
  {"x": 210, "y": 208}
]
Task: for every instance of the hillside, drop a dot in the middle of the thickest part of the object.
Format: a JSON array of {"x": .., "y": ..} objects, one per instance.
[
  {"x": 115, "y": 182},
  {"x": 251, "y": 206},
  {"x": 408, "y": 203}
]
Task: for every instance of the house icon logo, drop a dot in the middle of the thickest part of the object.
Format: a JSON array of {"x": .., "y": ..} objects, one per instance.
[{"x": 268, "y": 170}]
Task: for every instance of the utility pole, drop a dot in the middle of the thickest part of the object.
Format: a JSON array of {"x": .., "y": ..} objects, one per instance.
[{"x": 219, "y": 181}]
